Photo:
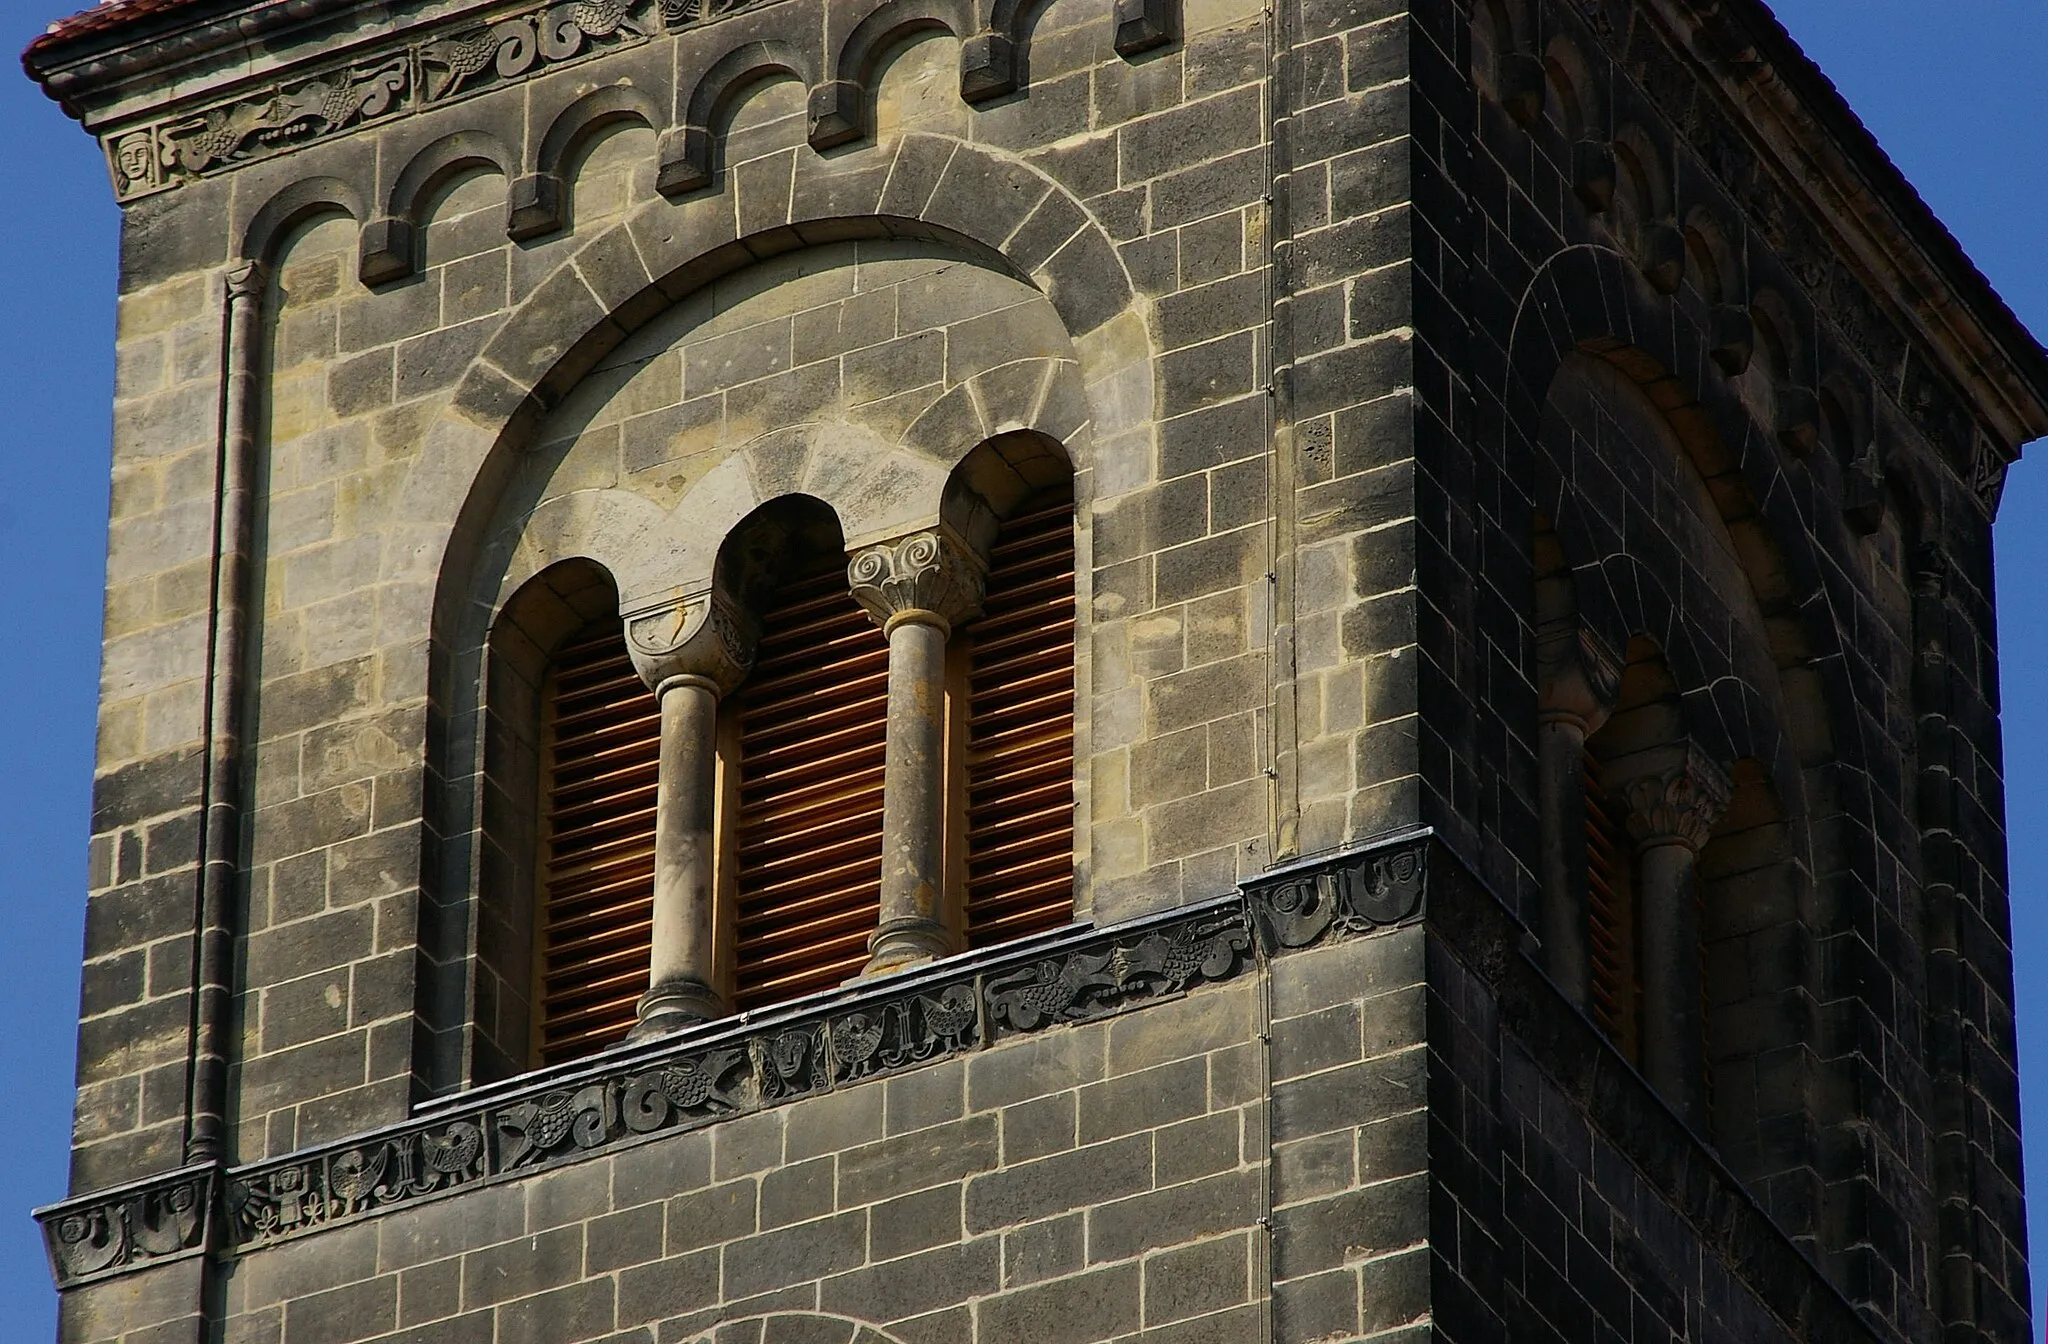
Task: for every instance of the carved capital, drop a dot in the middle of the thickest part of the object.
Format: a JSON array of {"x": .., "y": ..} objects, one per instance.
[
  {"x": 702, "y": 635},
  {"x": 246, "y": 280},
  {"x": 928, "y": 576},
  {"x": 1577, "y": 677},
  {"x": 1679, "y": 804}
]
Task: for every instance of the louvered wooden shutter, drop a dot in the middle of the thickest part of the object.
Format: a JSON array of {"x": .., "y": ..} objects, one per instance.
[
  {"x": 813, "y": 726},
  {"x": 1610, "y": 907},
  {"x": 602, "y": 744},
  {"x": 1020, "y": 730}
]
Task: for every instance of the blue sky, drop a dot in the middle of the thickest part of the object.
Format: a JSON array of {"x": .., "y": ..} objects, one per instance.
[{"x": 1952, "y": 89}]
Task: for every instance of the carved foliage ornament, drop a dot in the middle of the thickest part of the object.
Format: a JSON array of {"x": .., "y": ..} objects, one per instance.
[
  {"x": 929, "y": 572},
  {"x": 1678, "y": 804}
]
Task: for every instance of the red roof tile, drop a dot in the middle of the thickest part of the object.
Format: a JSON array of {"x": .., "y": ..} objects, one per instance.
[{"x": 100, "y": 18}]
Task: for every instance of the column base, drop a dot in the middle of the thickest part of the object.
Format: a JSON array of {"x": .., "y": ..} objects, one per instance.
[
  {"x": 675, "y": 1005},
  {"x": 902, "y": 943}
]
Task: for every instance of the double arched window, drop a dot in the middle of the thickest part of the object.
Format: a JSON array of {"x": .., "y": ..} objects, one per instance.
[{"x": 830, "y": 838}]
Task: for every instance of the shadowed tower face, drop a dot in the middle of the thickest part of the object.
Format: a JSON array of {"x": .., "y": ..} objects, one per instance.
[{"x": 858, "y": 671}]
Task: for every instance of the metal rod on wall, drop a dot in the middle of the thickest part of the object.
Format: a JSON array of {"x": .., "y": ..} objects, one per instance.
[{"x": 220, "y": 805}]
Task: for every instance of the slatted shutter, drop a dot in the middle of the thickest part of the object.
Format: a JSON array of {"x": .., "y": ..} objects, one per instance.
[
  {"x": 1610, "y": 904},
  {"x": 813, "y": 722},
  {"x": 1020, "y": 730},
  {"x": 601, "y": 738}
]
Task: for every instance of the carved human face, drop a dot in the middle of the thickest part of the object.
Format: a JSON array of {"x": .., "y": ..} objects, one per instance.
[{"x": 131, "y": 158}]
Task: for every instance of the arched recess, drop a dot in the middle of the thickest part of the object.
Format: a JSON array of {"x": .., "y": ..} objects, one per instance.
[
  {"x": 554, "y": 350},
  {"x": 546, "y": 612},
  {"x": 1016, "y": 865},
  {"x": 390, "y": 247},
  {"x": 1663, "y": 552},
  {"x": 1589, "y": 301},
  {"x": 690, "y": 153},
  {"x": 807, "y": 1326}
]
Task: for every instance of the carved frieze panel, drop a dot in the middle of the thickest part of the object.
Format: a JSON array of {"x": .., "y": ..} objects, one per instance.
[
  {"x": 166, "y": 1219},
  {"x": 433, "y": 68},
  {"x": 729, "y": 1068},
  {"x": 1110, "y": 974},
  {"x": 1356, "y": 893}
]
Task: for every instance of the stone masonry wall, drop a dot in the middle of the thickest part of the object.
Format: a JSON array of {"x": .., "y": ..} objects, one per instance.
[
  {"x": 1292, "y": 289},
  {"x": 1099, "y": 1182}
]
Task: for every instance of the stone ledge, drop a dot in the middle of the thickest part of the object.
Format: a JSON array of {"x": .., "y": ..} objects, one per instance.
[{"x": 633, "y": 1094}]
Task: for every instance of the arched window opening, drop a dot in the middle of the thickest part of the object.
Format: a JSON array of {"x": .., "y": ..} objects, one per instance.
[
  {"x": 1610, "y": 905},
  {"x": 813, "y": 719},
  {"x": 1020, "y": 729},
  {"x": 600, "y": 742}
]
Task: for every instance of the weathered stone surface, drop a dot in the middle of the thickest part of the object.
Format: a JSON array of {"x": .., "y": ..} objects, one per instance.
[{"x": 1378, "y": 360}]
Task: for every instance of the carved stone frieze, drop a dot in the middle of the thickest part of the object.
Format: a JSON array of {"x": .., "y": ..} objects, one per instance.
[
  {"x": 472, "y": 60},
  {"x": 434, "y": 67},
  {"x": 905, "y": 1031},
  {"x": 929, "y": 572},
  {"x": 281, "y": 118},
  {"x": 163, "y": 1220},
  {"x": 731, "y": 1067},
  {"x": 1356, "y": 893},
  {"x": 278, "y": 1200},
  {"x": 1109, "y": 975}
]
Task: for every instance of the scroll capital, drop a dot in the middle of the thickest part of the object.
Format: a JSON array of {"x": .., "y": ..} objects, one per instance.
[
  {"x": 1679, "y": 803},
  {"x": 703, "y": 635},
  {"x": 930, "y": 576}
]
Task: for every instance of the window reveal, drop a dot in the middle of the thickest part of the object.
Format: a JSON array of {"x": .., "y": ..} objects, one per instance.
[
  {"x": 601, "y": 739},
  {"x": 1610, "y": 905},
  {"x": 812, "y": 721},
  {"x": 1020, "y": 730}
]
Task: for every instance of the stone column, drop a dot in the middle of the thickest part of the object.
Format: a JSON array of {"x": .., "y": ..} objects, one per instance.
[
  {"x": 916, "y": 588},
  {"x": 1672, "y": 811},
  {"x": 692, "y": 653},
  {"x": 1578, "y": 686}
]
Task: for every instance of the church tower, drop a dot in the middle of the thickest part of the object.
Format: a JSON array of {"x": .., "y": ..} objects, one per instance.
[{"x": 930, "y": 671}]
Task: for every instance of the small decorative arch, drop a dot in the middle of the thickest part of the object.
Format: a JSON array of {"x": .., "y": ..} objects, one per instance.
[
  {"x": 539, "y": 202},
  {"x": 1577, "y": 93},
  {"x": 278, "y": 217},
  {"x": 842, "y": 106},
  {"x": 690, "y": 154},
  {"x": 809, "y": 1327},
  {"x": 390, "y": 247},
  {"x": 1643, "y": 209}
]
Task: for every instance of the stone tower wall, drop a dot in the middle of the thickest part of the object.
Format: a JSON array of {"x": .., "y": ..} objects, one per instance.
[{"x": 1337, "y": 311}]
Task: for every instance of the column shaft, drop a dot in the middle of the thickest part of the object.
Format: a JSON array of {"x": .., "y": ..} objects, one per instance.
[
  {"x": 1561, "y": 749},
  {"x": 1674, "y": 1036},
  {"x": 913, "y": 798},
  {"x": 681, "y": 967}
]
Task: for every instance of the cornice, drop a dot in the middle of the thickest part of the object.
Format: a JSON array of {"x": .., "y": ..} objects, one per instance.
[{"x": 1828, "y": 159}]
